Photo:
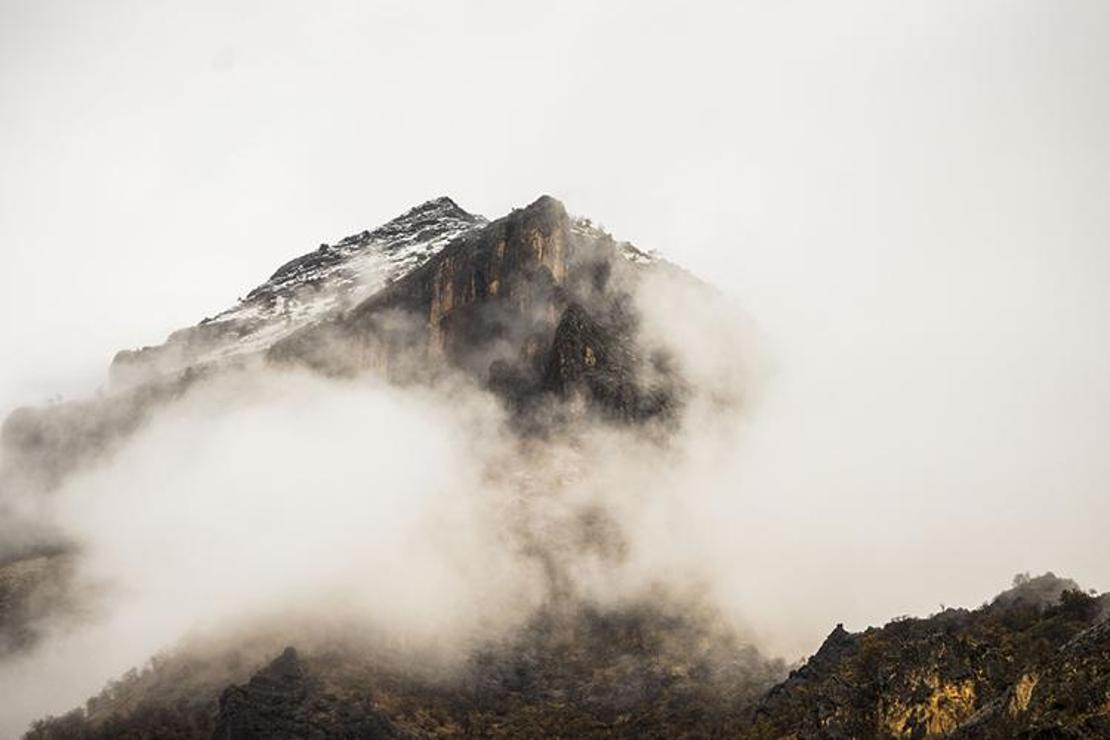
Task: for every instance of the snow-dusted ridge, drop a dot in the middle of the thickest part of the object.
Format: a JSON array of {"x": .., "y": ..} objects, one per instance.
[
  {"x": 307, "y": 289},
  {"x": 338, "y": 276},
  {"x": 322, "y": 283}
]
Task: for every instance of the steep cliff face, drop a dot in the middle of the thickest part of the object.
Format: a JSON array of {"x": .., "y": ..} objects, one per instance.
[
  {"x": 531, "y": 304},
  {"x": 484, "y": 289},
  {"x": 594, "y": 358}
]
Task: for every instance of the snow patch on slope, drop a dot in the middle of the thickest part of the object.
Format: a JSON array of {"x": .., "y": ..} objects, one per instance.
[{"x": 307, "y": 289}]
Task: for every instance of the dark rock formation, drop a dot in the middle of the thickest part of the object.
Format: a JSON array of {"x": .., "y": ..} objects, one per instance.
[
  {"x": 1026, "y": 665},
  {"x": 599, "y": 361},
  {"x": 528, "y": 304},
  {"x": 283, "y": 701}
]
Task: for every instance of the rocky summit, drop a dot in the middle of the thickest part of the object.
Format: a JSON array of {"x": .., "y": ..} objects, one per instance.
[{"x": 539, "y": 309}]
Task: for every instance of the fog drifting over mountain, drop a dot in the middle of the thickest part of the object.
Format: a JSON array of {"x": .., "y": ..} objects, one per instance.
[{"x": 906, "y": 200}]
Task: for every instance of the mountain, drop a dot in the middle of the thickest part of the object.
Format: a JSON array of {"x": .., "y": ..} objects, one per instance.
[
  {"x": 549, "y": 315},
  {"x": 534, "y": 303},
  {"x": 507, "y": 302}
]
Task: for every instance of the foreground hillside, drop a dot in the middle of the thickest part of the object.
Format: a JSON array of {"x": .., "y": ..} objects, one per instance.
[{"x": 1035, "y": 662}]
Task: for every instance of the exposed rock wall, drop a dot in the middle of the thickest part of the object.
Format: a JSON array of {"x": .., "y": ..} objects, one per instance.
[
  {"x": 1027, "y": 663},
  {"x": 525, "y": 304}
]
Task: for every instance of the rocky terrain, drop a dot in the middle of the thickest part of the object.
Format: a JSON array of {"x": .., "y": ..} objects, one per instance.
[
  {"x": 539, "y": 309},
  {"x": 1031, "y": 663},
  {"x": 305, "y": 290},
  {"x": 1025, "y": 665}
]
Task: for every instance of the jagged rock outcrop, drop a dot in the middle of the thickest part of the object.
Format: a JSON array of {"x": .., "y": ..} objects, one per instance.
[
  {"x": 598, "y": 361},
  {"x": 529, "y": 304},
  {"x": 1031, "y": 663},
  {"x": 485, "y": 290},
  {"x": 1066, "y": 695}
]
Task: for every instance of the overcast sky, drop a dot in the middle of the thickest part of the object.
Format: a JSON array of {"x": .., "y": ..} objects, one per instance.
[{"x": 912, "y": 200}]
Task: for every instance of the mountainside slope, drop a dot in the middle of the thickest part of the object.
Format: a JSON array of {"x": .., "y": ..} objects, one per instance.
[
  {"x": 542, "y": 312},
  {"x": 437, "y": 288},
  {"x": 41, "y": 446},
  {"x": 304, "y": 290}
]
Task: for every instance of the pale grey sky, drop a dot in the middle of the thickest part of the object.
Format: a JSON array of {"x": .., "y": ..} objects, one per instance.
[{"x": 911, "y": 200}]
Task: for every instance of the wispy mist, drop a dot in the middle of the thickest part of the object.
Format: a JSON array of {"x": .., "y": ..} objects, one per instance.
[{"x": 419, "y": 513}]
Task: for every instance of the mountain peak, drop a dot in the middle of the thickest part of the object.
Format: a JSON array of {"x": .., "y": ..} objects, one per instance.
[
  {"x": 443, "y": 201},
  {"x": 307, "y": 288},
  {"x": 442, "y": 207}
]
